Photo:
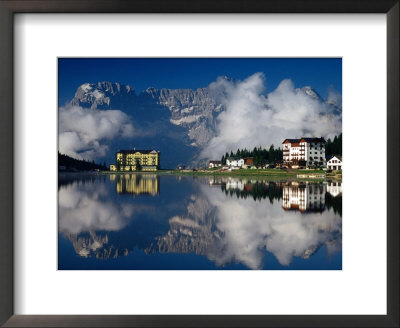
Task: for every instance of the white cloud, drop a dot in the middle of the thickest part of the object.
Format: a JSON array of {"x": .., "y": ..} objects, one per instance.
[
  {"x": 84, "y": 133},
  {"x": 254, "y": 119}
]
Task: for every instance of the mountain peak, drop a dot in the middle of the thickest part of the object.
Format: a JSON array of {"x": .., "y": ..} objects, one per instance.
[
  {"x": 226, "y": 78},
  {"x": 309, "y": 91},
  {"x": 97, "y": 95}
]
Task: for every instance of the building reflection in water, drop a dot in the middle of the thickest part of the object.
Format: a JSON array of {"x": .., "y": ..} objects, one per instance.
[
  {"x": 300, "y": 196},
  {"x": 231, "y": 183},
  {"x": 304, "y": 196},
  {"x": 334, "y": 188},
  {"x": 137, "y": 184}
]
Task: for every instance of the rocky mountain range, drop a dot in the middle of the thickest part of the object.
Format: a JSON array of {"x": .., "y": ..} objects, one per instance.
[
  {"x": 185, "y": 118},
  {"x": 194, "y": 110}
]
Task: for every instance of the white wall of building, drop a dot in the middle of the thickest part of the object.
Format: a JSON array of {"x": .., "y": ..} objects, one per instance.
[
  {"x": 211, "y": 165},
  {"x": 334, "y": 163},
  {"x": 235, "y": 162},
  {"x": 306, "y": 151}
]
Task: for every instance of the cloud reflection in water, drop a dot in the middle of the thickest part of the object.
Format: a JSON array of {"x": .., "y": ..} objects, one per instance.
[
  {"x": 232, "y": 221},
  {"x": 232, "y": 229},
  {"x": 87, "y": 208}
]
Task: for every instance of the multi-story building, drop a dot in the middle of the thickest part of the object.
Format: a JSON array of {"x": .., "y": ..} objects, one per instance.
[
  {"x": 137, "y": 160},
  {"x": 304, "y": 152}
]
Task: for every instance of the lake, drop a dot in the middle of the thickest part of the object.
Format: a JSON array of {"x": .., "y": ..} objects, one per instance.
[{"x": 170, "y": 222}]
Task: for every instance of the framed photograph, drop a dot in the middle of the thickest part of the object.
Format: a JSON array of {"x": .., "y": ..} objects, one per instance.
[
  {"x": 246, "y": 197},
  {"x": 199, "y": 164}
]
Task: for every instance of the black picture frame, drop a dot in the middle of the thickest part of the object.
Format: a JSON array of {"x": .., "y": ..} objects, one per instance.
[{"x": 10, "y": 7}]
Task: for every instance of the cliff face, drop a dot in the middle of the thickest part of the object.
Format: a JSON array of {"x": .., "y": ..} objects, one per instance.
[{"x": 193, "y": 110}]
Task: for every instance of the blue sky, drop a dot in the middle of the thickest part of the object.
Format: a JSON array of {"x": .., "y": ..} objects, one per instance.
[{"x": 193, "y": 73}]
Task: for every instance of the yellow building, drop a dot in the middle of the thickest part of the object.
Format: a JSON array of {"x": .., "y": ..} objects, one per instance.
[{"x": 137, "y": 160}]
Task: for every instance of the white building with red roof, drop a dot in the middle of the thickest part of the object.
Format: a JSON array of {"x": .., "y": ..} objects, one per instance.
[{"x": 304, "y": 152}]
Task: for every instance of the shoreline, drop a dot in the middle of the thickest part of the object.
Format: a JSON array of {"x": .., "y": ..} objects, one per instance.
[{"x": 305, "y": 175}]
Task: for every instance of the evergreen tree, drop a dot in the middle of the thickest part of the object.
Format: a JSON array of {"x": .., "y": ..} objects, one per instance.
[
  {"x": 271, "y": 154},
  {"x": 260, "y": 155},
  {"x": 334, "y": 147}
]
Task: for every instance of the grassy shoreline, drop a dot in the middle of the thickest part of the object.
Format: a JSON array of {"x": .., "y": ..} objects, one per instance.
[{"x": 310, "y": 175}]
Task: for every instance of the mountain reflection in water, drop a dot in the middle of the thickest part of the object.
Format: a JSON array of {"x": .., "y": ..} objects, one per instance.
[{"x": 197, "y": 223}]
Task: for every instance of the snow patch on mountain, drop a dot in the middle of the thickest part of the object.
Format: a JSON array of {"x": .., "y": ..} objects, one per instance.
[
  {"x": 309, "y": 91},
  {"x": 185, "y": 119},
  {"x": 186, "y": 110},
  {"x": 97, "y": 94},
  {"x": 86, "y": 87}
]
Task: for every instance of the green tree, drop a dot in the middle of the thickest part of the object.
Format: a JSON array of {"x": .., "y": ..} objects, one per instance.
[
  {"x": 334, "y": 147},
  {"x": 271, "y": 154}
]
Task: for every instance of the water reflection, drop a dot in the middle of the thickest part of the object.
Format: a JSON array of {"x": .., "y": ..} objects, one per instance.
[
  {"x": 137, "y": 184},
  {"x": 334, "y": 188},
  {"x": 304, "y": 196},
  {"x": 87, "y": 214},
  {"x": 244, "y": 187},
  {"x": 87, "y": 207},
  {"x": 228, "y": 220}
]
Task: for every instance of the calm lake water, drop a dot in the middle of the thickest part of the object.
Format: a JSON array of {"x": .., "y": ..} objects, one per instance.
[{"x": 150, "y": 222}]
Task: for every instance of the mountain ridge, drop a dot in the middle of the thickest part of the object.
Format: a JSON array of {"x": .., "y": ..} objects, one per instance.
[{"x": 188, "y": 114}]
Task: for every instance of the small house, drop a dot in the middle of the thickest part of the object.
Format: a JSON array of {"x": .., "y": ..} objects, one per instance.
[
  {"x": 248, "y": 162},
  {"x": 213, "y": 164},
  {"x": 234, "y": 162},
  {"x": 335, "y": 163}
]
